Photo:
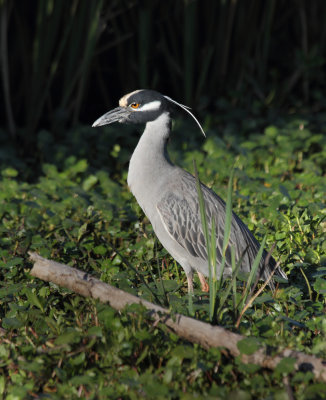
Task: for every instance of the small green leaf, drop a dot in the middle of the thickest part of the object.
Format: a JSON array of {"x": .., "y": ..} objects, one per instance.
[
  {"x": 12, "y": 289},
  {"x": 95, "y": 331},
  {"x": 17, "y": 393},
  {"x": 2, "y": 384},
  {"x": 320, "y": 285},
  {"x": 101, "y": 250},
  {"x": 117, "y": 260},
  {"x": 33, "y": 299},
  {"x": 12, "y": 323},
  {"x": 80, "y": 166},
  {"x": 239, "y": 395},
  {"x": 248, "y": 345},
  {"x": 284, "y": 191},
  {"x": 82, "y": 230},
  {"x": 81, "y": 380},
  {"x": 35, "y": 366},
  {"x": 68, "y": 337},
  {"x": 249, "y": 368},
  {"x": 168, "y": 375},
  {"x": 271, "y": 131},
  {"x": 4, "y": 352},
  {"x": 9, "y": 173},
  {"x": 89, "y": 182},
  {"x": 286, "y": 365},
  {"x": 78, "y": 359}
]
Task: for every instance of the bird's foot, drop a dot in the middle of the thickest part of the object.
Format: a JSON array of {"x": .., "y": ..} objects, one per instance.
[{"x": 204, "y": 284}]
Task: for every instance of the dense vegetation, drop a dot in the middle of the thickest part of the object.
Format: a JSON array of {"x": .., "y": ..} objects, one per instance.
[{"x": 58, "y": 343}]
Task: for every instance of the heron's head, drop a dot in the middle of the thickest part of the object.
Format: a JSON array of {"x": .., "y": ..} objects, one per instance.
[{"x": 141, "y": 106}]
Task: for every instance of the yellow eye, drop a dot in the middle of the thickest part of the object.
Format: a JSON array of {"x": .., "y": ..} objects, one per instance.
[{"x": 134, "y": 105}]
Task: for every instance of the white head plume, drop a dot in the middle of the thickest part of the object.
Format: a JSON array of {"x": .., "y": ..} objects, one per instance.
[{"x": 188, "y": 111}]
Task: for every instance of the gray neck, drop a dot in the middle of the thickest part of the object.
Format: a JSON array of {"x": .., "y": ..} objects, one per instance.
[{"x": 150, "y": 161}]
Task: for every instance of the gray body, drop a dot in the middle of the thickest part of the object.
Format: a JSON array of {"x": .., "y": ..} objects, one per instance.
[{"x": 168, "y": 196}]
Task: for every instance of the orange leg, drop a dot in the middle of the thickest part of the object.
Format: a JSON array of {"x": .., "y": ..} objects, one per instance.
[{"x": 204, "y": 284}]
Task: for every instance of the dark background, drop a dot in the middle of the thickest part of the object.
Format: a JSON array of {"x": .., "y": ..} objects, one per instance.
[{"x": 65, "y": 63}]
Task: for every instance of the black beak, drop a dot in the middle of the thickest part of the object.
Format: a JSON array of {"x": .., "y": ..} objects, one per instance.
[{"x": 119, "y": 114}]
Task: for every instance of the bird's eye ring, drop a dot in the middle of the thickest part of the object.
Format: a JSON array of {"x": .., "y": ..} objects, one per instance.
[{"x": 134, "y": 105}]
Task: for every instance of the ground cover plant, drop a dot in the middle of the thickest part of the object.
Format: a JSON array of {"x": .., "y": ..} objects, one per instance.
[{"x": 77, "y": 209}]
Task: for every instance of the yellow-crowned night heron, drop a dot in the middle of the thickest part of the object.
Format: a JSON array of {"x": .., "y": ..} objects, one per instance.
[{"x": 168, "y": 195}]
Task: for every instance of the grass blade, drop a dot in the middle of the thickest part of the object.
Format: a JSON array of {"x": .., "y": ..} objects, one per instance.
[
  {"x": 230, "y": 286},
  {"x": 308, "y": 284},
  {"x": 253, "y": 273},
  {"x": 227, "y": 227},
  {"x": 234, "y": 285},
  {"x": 209, "y": 244},
  {"x": 190, "y": 305}
]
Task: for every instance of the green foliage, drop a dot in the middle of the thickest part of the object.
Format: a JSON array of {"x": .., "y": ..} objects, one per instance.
[{"x": 58, "y": 344}]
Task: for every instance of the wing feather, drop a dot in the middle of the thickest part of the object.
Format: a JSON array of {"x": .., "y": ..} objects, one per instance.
[{"x": 179, "y": 211}]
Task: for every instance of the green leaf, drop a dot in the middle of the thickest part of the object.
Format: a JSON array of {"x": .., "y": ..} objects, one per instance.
[
  {"x": 239, "y": 395},
  {"x": 34, "y": 366},
  {"x": 271, "y": 131},
  {"x": 81, "y": 380},
  {"x": 68, "y": 337},
  {"x": 82, "y": 230},
  {"x": 79, "y": 359},
  {"x": 101, "y": 250},
  {"x": 4, "y": 352},
  {"x": 12, "y": 323},
  {"x": 248, "y": 345},
  {"x": 17, "y": 393},
  {"x": 320, "y": 285},
  {"x": 12, "y": 289},
  {"x": 95, "y": 331},
  {"x": 9, "y": 173},
  {"x": 90, "y": 182},
  {"x": 2, "y": 384},
  {"x": 33, "y": 299},
  {"x": 315, "y": 391},
  {"x": 80, "y": 166},
  {"x": 249, "y": 368},
  {"x": 286, "y": 365}
]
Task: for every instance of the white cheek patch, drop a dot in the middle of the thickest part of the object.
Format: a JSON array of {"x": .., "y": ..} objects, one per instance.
[{"x": 152, "y": 106}]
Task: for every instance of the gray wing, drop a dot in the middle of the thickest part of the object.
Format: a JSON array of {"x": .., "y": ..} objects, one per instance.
[
  {"x": 181, "y": 219},
  {"x": 180, "y": 213}
]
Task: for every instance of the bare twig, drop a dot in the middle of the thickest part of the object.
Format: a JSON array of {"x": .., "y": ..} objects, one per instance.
[{"x": 252, "y": 299}]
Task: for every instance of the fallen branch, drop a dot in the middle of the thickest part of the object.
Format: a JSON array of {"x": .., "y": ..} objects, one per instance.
[{"x": 188, "y": 328}]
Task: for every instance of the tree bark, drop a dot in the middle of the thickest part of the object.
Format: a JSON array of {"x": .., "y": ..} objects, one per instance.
[{"x": 188, "y": 328}]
